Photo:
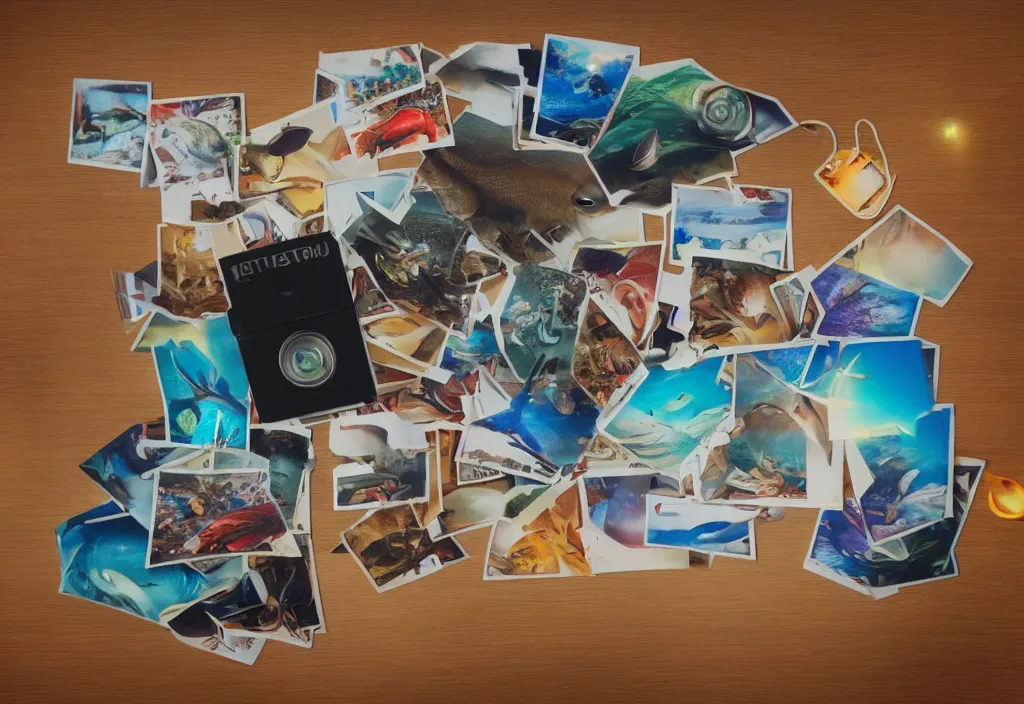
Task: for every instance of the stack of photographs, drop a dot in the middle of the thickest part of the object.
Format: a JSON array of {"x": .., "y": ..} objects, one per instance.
[{"x": 584, "y": 335}]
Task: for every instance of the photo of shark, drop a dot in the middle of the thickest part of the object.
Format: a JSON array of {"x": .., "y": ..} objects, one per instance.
[{"x": 683, "y": 523}]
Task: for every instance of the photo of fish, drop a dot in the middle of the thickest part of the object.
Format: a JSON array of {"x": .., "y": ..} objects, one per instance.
[
  {"x": 623, "y": 281},
  {"x": 676, "y": 120},
  {"x": 604, "y": 360},
  {"x": 103, "y": 559},
  {"x": 306, "y": 148},
  {"x": 193, "y": 141},
  {"x": 207, "y": 514},
  {"x": 579, "y": 81},
  {"x": 189, "y": 282},
  {"x": 544, "y": 544},
  {"x": 202, "y": 380},
  {"x": 121, "y": 468},
  {"x": 718, "y": 530},
  {"x": 670, "y": 413},
  {"x": 108, "y": 123},
  {"x": 373, "y": 472},
  {"x": 511, "y": 198},
  {"x": 615, "y": 522},
  {"x": 411, "y": 123},
  {"x": 904, "y": 252},
  {"x": 748, "y": 223},
  {"x": 290, "y": 454},
  {"x": 876, "y": 388},
  {"x": 539, "y": 319},
  {"x": 369, "y": 77},
  {"x": 393, "y": 549},
  {"x": 858, "y": 305},
  {"x": 778, "y": 453},
  {"x": 911, "y": 477},
  {"x": 731, "y": 306}
]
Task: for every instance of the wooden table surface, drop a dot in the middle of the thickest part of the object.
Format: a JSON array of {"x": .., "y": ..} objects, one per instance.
[{"x": 764, "y": 630}]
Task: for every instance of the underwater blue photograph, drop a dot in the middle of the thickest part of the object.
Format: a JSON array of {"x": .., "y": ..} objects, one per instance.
[
  {"x": 206, "y": 392},
  {"x": 670, "y": 413},
  {"x": 579, "y": 82},
  {"x": 857, "y": 305},
  {"x": 682, "y": 523},
  {"x": 103, "y": 559}
]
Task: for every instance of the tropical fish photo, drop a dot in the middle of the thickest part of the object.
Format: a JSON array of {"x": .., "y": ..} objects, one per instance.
[
  {"x": 108, "y": 123},
  {"x": 676, "y": 120},
  {"x": 579, "y": 81}
]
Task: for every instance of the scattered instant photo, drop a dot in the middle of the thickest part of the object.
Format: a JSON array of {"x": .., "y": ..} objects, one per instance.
[
  {"x": 674, "y": 522},
  {"x": 103, "y": 559},
  {"x": 289, "y": 451},
  {"x": 409, "y": 123},
  {"x": 615, "y": 523},
  {"x": 193, "y": 142},
  {"x": 373, "y": 76},
  {"x": 108, "y": 123},
  {"x": 384, "y": 461},
  {"x": 393, "y": 549},
  {"x": 674, "y": 121},
  {"x": 202, "y": 380},
  {"x": 623, "y": 281},
  {"x": 304, "y": 149},
  {"x": 745, "y": 223},
  {"x": 189, "y": 283},
  {"x": 197, "y": 515},
  {"x": 909, "y": 478},
  {"x": 731, "y": 307},
  {"x": 543, "y": 541},
  {"x": 578, "y": 84},
  {"x": 671, "y": 412},
  {"x": 905, "y": 253}
]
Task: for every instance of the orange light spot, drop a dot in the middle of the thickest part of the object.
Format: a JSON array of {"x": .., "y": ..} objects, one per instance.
[{"x": 1006, "y": 497}]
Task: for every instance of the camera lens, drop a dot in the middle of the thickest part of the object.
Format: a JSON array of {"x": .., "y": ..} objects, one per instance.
[{"x": 307, "y": 359}]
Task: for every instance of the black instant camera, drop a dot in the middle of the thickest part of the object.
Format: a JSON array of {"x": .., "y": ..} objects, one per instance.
[{"x": 297, "y": 329}]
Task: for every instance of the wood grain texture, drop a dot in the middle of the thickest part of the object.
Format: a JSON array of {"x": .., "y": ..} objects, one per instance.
[{"x": 764, "y": 630}]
